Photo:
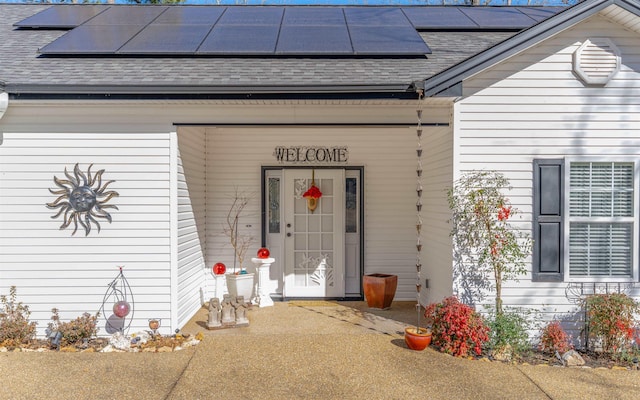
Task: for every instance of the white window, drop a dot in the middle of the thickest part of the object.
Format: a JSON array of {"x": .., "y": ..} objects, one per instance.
[{"x": 602, "y": 221}]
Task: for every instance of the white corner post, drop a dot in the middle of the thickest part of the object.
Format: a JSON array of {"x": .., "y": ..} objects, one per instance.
[
  {"x": 173, "y": 224},
  {"x": 4, "y": 103}
]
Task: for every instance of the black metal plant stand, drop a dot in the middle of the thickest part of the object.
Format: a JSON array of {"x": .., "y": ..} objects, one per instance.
[{"x": 119, "y": 294}]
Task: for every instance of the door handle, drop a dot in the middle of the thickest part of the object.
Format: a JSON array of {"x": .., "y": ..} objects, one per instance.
[{"x": 288, "y": 234}]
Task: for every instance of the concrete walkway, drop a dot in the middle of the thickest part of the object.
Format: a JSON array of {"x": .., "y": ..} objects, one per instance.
[{"x": 301, "y": 350}]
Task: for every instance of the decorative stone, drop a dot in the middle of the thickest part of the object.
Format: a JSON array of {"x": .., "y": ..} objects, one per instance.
[
  {"x": 215, "y": 314},
  {"x": 228, "y": 311},
  {"x": 241, "y": 312},
  {"x": 107, "y": 349},
  {"x": 503, "y": 354},
  {"x": 119, "y": 341},
  {"x": 572, "y": 359}
]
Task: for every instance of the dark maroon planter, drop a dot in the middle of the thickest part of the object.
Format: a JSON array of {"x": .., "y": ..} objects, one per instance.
[{"x": 379, "y": 289}]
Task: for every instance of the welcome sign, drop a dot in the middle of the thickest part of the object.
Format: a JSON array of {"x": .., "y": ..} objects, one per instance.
[{"x": 311, "y": 154}]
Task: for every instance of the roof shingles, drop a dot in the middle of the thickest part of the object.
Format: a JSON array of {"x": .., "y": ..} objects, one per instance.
[{"x": 23, "y": 69}]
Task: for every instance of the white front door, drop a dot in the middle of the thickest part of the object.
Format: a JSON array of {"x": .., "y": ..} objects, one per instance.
[{"x": 314, "y": 240}]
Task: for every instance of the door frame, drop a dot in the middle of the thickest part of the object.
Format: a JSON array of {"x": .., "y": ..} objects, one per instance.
[{"x": 263, "y": 210}]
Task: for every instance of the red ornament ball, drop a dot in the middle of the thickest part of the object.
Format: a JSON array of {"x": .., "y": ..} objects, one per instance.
[
  {"x": 219, "y": 268},
  {"x": 121, "y": 309},
  {"x": 263, "y": 252}
]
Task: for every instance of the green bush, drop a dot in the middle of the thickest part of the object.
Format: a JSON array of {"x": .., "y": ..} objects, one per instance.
[
  {"x": 510, "y": 329},
  {"x": 15, "y": 328},
  {"x": 75, "y": 331}
]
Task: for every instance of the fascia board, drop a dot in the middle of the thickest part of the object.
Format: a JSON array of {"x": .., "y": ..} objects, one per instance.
[{"x": 168, "y": 90}]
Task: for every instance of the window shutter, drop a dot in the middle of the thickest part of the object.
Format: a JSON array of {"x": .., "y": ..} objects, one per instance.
[{"x": 548, "y": 229}]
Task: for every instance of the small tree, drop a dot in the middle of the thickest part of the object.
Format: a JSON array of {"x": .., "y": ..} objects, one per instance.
[
  {"x": 240, "y": 242},
  {"x": 485, "y": 244}
]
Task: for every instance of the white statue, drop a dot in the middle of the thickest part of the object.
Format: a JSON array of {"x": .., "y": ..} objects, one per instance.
[{"x": 214, "y": 313}]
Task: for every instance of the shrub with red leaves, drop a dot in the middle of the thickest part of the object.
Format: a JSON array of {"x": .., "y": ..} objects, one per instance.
[
  {"x": 554, "y": 338},
  {"x": 456, "y": 328}
]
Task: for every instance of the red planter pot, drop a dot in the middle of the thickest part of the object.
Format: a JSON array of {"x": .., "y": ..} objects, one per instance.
[
  {"x": 417, "y": 340},
  {"x": 379, "y": 289}
]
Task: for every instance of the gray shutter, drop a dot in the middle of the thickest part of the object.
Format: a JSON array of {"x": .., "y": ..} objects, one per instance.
[{"x": 548, "y": 230}]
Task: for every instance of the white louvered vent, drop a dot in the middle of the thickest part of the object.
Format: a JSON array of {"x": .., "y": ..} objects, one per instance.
[{"x": 596, "y": 61}]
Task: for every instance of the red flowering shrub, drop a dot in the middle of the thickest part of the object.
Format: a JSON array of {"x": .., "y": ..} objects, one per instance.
[
  {"x": 554, "y": 338},
  {"x": 456, "y": 328},
  {"x": 611, "y": 319}
]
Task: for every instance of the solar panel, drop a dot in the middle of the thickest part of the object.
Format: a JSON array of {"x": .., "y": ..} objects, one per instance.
[
  {"x": 167, "y": 39},
  {"x": 498, "y": 17},
  {"x": 314, "y": 40},
  {"x": 257, "y": 30},
  {"x": 190, "y": 15},
  {"x": 61, "y": 17},
  {"x": 101, "y": 39},
  {"x": 238, "y": 39},
  {"x": 438, "y": 17},
  {"x": 366, "y": 16},
  {"x": 387, "y": 40},
  {"x": 320, "y": 16},
  {"x": 540, "y": 13},
  {"x": 252, "y": 16},
  {"x": 127, "y": 15}
]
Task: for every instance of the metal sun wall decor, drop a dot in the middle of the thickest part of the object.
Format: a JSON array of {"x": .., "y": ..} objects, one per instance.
[{"x": 82, "y": 199}]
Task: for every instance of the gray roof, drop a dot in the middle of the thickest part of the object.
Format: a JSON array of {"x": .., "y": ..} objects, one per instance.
[{"x": 24, "y": 72}]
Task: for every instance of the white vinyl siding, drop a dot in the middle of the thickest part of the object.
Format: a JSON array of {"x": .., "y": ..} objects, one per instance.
[
  {"x": 191, "y": 222},
  {"x": 52, "y": 268},
  {"x": 532, "y": 106},
  {"x": 601, "y": 220}
]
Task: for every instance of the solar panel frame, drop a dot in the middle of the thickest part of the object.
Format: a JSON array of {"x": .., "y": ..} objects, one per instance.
[
  {"x": 223, "y": 40},
  {"x": 315, "y": 16},
  {"x": 438, "y": 18},
  {"x": 62, "y": 17},
  {"x": 498, "y": 17},
  {"x": 375, "y": 16},
  {"x": 303, "y": 40},
  {"x": 190, "y": 15},
  {"x": 387, "y": 40},
  {"x": 540, "y": 13},
  {"x": 127, "y": 15},
  {"x": 96, "y": 39},
  {"x": 252, "y": 16},
  {"x": 167, "y": 39}
]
